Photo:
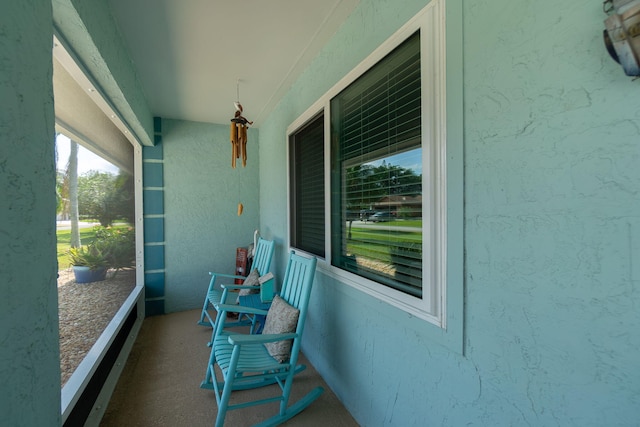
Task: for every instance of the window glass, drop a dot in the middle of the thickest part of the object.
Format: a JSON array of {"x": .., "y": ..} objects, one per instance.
[
  {"x": 307, "y": 187},
  {"x": 376, "y": 172}
]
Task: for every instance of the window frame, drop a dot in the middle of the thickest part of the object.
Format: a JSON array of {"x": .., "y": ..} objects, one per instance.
[{"x": 433, "y": 306}]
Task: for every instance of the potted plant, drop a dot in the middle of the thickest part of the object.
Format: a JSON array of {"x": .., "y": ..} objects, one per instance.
[
  {"x": 112, "y": 248},
  {"x": 89, "y": 263}
]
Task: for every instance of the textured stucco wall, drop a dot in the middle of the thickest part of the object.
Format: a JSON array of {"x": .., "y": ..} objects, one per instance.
[
  {"x": 552, "y": 232},
  {"x": 552, "y": 181},
  {"x": 29, "y": 361},
  {"x": 201, "y": 196}
]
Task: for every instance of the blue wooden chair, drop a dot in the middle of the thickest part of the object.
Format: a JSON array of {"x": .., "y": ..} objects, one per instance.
[
  {"x": 249, "y": 361},
  {"x": 218, "y": 294}
]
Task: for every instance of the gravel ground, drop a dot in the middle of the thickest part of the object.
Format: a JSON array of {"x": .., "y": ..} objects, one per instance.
[{"x": 85, "y": 310}]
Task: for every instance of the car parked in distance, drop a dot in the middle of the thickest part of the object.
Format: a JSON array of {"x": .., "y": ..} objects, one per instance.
[
  {"x": 365, "y": 213},
  {"x": 380, "y": 217}
]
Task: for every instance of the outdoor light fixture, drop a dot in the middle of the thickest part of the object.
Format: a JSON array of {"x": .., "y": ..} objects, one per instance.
[
  {"x": 239, "y": 125},
  {"x": 622, "y": 33}
]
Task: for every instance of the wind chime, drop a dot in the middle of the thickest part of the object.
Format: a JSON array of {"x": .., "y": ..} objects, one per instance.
[{"x": 239, "y": 125}]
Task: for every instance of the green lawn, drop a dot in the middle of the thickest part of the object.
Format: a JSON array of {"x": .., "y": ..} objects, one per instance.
[
  {"x": 402, "y": 223},
  {"x": 373, "y": 243}
]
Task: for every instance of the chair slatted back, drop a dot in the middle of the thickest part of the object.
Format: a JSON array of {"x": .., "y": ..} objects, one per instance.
[
  {"x": 263, "y": 256},
  {"x": 296, "y": 286}
]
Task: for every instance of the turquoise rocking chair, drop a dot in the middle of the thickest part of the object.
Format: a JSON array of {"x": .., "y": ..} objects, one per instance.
[
  {"x": 249, "y": 361},
  {"x": 218, "y": 294}
]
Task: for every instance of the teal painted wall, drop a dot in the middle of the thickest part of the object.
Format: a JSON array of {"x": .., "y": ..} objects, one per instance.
[
  {"x": 201, "y": 196},
  {"x": 552, "y": 130},
  {"x": 29, "y": 359},
  {"x": 551, "y": 231}
]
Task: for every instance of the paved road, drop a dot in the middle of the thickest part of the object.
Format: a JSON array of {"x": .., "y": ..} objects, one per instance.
[{"x": 381, "y": 226}]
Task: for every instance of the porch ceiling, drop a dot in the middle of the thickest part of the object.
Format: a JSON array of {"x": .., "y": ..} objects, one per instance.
[{"x": 191, "y": 54}]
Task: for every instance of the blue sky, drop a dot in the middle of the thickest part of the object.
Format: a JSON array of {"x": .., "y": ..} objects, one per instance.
[
  {"x": 409, "y": 159},
  {"x": 87, "y": 160}
]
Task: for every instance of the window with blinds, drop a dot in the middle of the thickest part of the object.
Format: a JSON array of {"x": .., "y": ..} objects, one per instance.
[
  {"x": 306, "y": 154},
  {"x": 376, "y": 172}
]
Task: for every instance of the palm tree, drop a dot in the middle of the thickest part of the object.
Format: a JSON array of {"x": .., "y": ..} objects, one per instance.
[{"x": 72, "y": 174}]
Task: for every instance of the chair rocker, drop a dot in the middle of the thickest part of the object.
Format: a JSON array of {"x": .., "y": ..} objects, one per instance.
[
  {"x": 249, "y": 361},
  {"x": 218, "y": 294}
]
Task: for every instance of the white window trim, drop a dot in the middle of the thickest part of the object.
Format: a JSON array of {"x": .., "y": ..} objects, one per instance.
[{"x": 432, "y": 307}]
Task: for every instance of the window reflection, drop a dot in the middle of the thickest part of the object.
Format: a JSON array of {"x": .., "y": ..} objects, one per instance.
[{"x": 384, "y": 199}]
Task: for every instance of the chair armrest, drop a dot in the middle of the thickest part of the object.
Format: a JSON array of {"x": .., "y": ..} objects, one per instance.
[
  {"x": 236, "y": 287},
  {"x": 239, "y": 339},
  {"x": 230, "y": 276},
  {"x": 235, "y": 308}
]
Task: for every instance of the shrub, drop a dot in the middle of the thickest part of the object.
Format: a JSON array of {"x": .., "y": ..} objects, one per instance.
[
  {"x": 118, "y": 245},
  {"x": 112, "y": 248}
]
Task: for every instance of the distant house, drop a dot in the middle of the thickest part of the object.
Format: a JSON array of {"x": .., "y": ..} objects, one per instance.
[{"x": 401, "y": 206}]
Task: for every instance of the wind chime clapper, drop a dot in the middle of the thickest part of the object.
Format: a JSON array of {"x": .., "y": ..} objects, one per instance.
[{"x": 239, "y": 125}]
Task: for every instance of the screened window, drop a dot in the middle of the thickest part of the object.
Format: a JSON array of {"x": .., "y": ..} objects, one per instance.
[
  {"x": 307, "y": 187},
  {"x": 377, "y": 171}
]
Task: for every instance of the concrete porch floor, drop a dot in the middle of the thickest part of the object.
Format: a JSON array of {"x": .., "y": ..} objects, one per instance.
[{"x": 160, "y": 384}]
